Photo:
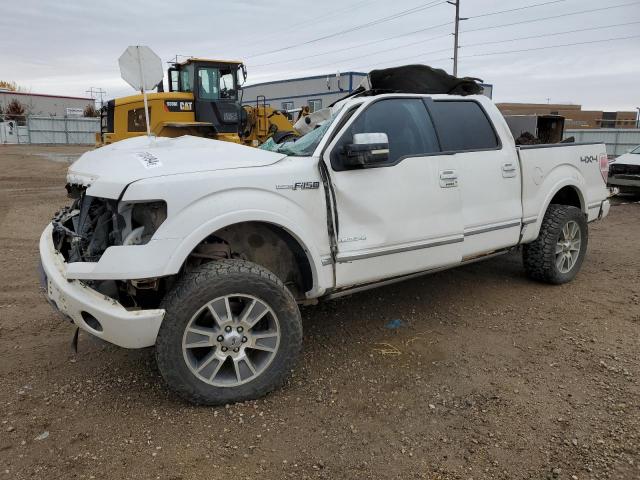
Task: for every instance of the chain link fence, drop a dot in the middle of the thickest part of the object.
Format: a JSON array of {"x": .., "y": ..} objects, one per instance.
[{"x": 31, "y": 129}]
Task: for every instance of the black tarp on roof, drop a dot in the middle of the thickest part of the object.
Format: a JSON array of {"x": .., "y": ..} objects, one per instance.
[
  {"x": 422, "y": 79},
  {"x": 415, "y": 79}
]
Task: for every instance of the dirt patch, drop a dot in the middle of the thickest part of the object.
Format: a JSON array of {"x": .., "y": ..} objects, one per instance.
[{"x": 489, "y": 375}]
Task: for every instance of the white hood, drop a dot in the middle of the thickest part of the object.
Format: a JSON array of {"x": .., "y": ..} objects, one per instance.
[
  {"x": 107, "y": 170},
  {"x": 628, "y": 159}
]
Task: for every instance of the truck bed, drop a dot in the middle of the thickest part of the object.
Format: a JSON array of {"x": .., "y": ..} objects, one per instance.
[{"x": 549, "y": 167}]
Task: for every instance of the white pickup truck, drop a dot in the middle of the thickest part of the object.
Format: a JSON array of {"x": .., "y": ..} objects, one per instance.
[{"x": 204, "y": 249}]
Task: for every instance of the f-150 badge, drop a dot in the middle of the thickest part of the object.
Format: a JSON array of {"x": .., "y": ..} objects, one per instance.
[{"x": 299, "y": 186}]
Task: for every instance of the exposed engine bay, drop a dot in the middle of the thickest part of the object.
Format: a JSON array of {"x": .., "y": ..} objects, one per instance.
[{"x": 83, "y": 231}]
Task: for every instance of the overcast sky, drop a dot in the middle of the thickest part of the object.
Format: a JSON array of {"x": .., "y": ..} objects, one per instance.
[{"x": 67, "y": 46}]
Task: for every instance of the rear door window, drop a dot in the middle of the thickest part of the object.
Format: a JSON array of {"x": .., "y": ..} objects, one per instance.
[{"x": 463, "y": 125}]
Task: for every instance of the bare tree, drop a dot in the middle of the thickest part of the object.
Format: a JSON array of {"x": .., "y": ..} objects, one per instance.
[
  {"x": 90, "y": 111},
  {"x": 14, "y": 111},
  {"x": 9, "y": 85}
]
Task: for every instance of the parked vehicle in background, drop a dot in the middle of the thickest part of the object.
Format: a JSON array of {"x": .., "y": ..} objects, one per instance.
[
  {"x": 624, "y": 172},
  {"x": 204, "y": 248}
]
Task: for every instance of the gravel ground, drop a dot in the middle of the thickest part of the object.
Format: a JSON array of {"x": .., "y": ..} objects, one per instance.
[{"x": 489, "y": 375}]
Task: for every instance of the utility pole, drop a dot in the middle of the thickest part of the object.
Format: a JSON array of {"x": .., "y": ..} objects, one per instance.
[
  {"x": 96, "y": 91},
  {"x": 456, "y": 35}
]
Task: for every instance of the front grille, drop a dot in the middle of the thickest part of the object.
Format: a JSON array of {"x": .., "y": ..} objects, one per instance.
[{"x": 623, "y": 169}]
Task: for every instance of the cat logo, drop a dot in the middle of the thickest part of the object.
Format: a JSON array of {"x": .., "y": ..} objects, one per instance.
[{"x": 176, "y": 106}]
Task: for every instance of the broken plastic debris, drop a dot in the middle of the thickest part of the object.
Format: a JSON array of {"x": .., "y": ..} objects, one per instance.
[{"x": 393, "y": 324}]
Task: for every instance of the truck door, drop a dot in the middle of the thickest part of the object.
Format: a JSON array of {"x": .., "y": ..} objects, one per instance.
[
  {"x": 403, "y": 214},
  {"x": 488, "y": 174}
]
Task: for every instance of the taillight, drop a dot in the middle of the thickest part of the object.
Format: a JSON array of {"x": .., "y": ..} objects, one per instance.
[{"x": 604, "y": 166}]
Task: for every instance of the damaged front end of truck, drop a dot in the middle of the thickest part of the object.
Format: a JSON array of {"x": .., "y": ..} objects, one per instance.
[{"x": 83, "y": 231}]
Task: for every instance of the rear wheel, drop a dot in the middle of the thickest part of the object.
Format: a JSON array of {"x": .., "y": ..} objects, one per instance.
[
  {"x": 557, "y": 254},
  {"x": 231, "y": 332}
]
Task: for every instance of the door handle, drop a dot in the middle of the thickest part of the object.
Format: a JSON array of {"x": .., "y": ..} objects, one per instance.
[
  {"x": 509, "y": 170},
  {"x": 448, "y": 178},
  {"x": 448, "y": 175}
]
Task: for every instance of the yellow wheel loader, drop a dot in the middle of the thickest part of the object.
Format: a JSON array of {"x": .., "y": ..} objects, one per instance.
[{"x": 203, "y": 100}]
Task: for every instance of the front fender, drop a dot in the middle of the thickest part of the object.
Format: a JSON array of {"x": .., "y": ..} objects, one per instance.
[{"x": 222, "y": 209}]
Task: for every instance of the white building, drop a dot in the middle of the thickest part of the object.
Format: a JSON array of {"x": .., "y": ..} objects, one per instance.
[{"x": 46, "y": 105}]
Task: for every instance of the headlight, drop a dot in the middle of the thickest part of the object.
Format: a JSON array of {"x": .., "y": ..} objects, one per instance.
[{"x": 143, "y": 220}]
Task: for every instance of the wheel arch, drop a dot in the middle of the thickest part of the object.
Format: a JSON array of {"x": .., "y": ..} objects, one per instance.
[
  {"x": 565, "y": 192},
  {"x": 570, "y": 195},
  {"x": 271, "y": 246},
  {"x": 269, "y": 226}
]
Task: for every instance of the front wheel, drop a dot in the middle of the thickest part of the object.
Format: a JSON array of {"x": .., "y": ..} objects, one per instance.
[
  {"x": 557, "y": 254},
  {"x": 231, "y": 332}
]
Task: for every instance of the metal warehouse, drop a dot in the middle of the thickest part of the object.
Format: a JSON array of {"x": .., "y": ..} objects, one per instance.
[
  {"x": 316, "y": 92},
  {"x": 46, "y": 105}
]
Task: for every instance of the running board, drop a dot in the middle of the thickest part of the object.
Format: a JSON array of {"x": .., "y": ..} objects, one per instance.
[{"x": 402, "y": 278}]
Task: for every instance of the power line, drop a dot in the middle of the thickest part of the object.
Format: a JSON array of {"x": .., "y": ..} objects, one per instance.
[
  {"x": 431, "y": 27},
  {"x": 402, "y": 13},
  {"x": 471, "y": 44},
  {"x": 552, "y": 46},
  {"x": 93, "y": 91},
  {"x": 333, "y": 13},
  {"x": 383, "y": 51},
  {"x": 551, "y": 17},
  {"x": 316, "y": 20},
  {"x": 365, "y": 44},
  {"x": 516, "y": 9},
  {"x": 386, "y": 50},
  {"x": 475, "y": 30},
  {"x": 486, "y": 54},
  {"x": 549, "y": 34}
]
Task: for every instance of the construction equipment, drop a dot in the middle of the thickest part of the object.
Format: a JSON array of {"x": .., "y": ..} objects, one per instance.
[{"x": 203, "y": 100}]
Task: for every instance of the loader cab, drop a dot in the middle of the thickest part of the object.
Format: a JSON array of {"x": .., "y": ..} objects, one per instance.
[{"x": 215, "y": 85}]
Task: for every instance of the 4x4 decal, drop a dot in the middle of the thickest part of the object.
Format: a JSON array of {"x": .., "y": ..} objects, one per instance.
[{"x": 589, "y": 158}]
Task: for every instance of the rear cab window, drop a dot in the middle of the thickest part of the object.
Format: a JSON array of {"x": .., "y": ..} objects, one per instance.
[{"x": 463, "y": 125}]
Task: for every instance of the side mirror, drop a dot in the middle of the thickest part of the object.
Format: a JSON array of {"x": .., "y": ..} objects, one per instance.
[
  {"x": 366, "y": 149},
  {"x": 243, "y": 70}
]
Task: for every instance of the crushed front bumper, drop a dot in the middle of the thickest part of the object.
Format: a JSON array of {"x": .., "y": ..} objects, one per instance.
[
  {"x": 90, "y": 310},
  {"x": 625, "y": 182}
]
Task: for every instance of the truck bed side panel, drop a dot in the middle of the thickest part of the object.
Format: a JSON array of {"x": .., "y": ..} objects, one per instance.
[{"x": 548, "y": 168}]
